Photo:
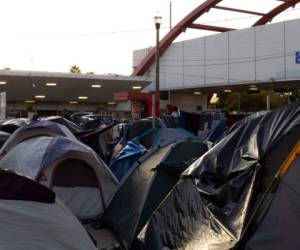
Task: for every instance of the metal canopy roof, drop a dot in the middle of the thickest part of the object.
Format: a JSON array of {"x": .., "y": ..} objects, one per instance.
[{"x": 25, "y": 85}]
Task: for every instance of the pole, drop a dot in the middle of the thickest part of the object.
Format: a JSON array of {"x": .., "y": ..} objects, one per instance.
[
  {"x": 156, "y": 93},
  {"x": 239, "y": 102},
  {"x": 268, "y": 102},
  {"x": 170, "y": 15}
]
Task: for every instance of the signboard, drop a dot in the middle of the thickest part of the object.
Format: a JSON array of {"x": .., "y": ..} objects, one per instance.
[
  {"x": 298, "y": 57},
  {"x": 2, "y": 106}
]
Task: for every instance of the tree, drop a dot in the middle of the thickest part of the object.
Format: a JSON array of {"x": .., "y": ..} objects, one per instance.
[{"x": 75, "y": 69}]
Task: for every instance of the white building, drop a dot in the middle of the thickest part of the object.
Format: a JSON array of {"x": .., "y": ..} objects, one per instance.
[{"x": 267, "y": 56}]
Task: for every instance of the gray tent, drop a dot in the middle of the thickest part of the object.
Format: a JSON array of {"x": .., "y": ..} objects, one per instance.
[
  {"x": 78, "y": 176},
  {"x": 32, "y": 218},
  {"x": 144, "y": 187},
  {"x": 40, "y": 128}
]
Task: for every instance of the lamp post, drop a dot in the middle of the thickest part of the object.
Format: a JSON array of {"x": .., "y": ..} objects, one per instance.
[{"x": 157, "y": 20}]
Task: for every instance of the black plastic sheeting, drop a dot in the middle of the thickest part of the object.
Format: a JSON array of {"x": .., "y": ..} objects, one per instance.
[{"x": 211, "y": 205}]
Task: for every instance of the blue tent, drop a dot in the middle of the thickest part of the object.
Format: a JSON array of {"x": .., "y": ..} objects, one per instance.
[{"x": 132, "y": 151}]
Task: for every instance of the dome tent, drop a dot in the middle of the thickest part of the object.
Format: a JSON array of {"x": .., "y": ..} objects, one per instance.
[
  {"x": 143, "y": 188},
  {"x": 80, "y": 178},
  {"x": 40, "y": 128},
  {"x": 36, "y": 220}
]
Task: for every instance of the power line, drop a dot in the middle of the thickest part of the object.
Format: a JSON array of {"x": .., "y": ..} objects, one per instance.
[{"x": 144, "y": 29}]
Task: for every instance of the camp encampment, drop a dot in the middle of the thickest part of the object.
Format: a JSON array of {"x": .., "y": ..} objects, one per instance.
[{"x": 233, "y": 195}]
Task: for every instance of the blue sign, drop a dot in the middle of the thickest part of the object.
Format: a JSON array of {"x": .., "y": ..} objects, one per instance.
[{"x": 298, "y": 57}]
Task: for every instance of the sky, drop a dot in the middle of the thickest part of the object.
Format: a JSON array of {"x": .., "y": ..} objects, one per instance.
[{"x": 99, "y": 36}]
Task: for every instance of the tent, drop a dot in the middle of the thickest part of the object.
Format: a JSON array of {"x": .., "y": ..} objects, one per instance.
[
  {"x": 32, "y": 218},
  {"x": 40, "y": 128},
  {"x": 145, "y": 186},
  {"x": 99, "y": 140},
  {"x": 126, "y": 158},
  {"x": 138, "y": 127},
  {"x": 154, "y": 137},
  {"x": 134, "y": 129},
  {"x": 74, "y": 128},
  {"x": 3, "y": 137},
  {"x": 223, "y": 199},
  {"x": 78, "y": 176},
  {"x": 11, "y": 125}
]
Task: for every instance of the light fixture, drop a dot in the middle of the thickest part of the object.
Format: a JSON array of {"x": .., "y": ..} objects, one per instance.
[
  {"x": 157, "y": 20},
  {"x": 111, "y": 103},
  {"x": 2, "y": 83},
  {"x": 137, "y": 87},
  {"x": 82, "y": 97},
  {"x": 40, "y": 96},
  {"x": 227, "y": 90},
  {"x": 30, "y": 101},
  {"x": 96, "y": 86},
  {"x": 253, "y": 87},
  {"x": 51, "y": 84},
  {"x": 197, "y": 93},
  {"x": 73, "y": 102}
]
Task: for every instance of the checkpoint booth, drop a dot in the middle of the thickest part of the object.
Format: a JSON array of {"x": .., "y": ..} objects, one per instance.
[{"x": 140, "y": 103}]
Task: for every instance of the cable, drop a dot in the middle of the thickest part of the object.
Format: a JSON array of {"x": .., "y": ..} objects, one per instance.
[{"x": 145, "y": 29}]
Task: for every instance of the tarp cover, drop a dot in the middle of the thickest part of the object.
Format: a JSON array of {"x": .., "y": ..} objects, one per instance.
[
  {"x": 208, "y": 208},
  {"x": 126, "y": 158}
]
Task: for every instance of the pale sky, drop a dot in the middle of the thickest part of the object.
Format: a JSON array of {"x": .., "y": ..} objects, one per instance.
[{"x": 98, "y": 35}]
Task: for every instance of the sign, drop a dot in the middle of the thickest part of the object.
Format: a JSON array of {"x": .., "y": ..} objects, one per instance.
[
  {"x": 298, "y": 57},
  {"x": 2, "y": 106}
]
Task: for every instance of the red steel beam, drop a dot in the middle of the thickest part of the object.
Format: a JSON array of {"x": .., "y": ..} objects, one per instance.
[
  {"x": 173, "y": 34},
  {"x": 276, "y": 11},
  {"x": 239, "y": 10},
  {"x": 209, "y": 27}
]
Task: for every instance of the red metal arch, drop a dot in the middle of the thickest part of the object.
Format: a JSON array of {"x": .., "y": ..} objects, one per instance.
[
  {"x": 188, "y": 22},
  {"x": 276, "y": 11}
]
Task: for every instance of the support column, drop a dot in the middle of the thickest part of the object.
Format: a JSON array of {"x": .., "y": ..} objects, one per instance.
[{"x": 268, "y": 102}]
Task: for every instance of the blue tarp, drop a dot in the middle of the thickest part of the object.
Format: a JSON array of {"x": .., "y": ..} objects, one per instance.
[
  {"x": 217, "y": 131},
  {"x": 132, "y": 151}
]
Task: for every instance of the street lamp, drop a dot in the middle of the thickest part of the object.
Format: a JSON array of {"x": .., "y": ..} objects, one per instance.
[{"x": 157, "y": 21}]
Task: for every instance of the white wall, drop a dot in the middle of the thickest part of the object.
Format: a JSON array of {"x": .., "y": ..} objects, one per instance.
[{"x": 258, "y": 54}]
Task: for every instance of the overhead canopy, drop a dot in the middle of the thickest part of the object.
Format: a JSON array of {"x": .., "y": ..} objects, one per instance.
[{"x": 24, "y": 85}]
